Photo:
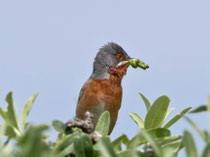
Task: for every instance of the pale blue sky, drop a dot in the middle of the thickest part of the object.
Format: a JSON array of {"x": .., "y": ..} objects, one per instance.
[{"x": 49, "y": 46}]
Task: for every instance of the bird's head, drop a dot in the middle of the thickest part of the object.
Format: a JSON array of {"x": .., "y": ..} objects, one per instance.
[{"x": 109, "y": 56}]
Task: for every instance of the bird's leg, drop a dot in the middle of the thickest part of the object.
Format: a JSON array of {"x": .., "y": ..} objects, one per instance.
[{"x": 86, "y": 125}]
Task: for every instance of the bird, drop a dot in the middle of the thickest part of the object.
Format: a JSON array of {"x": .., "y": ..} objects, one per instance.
[{"x": 103, "y": 90}]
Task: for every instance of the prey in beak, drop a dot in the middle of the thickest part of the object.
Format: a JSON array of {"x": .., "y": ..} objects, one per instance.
[{"x": 134, "y": 63}]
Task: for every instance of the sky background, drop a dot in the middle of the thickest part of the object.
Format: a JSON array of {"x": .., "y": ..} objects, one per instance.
[{"x": 49, "y": 47}]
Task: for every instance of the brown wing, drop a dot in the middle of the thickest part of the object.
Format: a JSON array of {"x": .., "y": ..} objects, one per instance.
[{"x": 88, "y": 101}]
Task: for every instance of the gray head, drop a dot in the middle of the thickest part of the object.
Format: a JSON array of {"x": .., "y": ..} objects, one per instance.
[{"x": 109, "y": 56}]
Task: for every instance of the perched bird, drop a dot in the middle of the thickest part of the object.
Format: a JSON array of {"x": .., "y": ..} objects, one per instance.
[{"x": 103, "y": 90}]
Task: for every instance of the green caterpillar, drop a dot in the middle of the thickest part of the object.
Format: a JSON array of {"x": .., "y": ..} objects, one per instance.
[{"x": 137, "y": 63}]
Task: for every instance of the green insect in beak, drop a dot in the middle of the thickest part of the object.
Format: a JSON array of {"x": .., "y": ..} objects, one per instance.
[{"x": 137, "y": 63}]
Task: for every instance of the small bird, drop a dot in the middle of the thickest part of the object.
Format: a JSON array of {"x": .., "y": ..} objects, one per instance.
[{"x": 103, "y": 90}]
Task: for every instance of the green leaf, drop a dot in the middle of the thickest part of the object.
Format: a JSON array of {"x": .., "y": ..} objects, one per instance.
[
  {"x": 137, "y": 119},
  {"x": 26, "y": 125},
  {"x": 190, "y": 147},
  {"x": 10, "y": 115},
  {"x": 118, "y": 142},
  {"x": 177, "y": 117},
  {"x": 157, "y": 112},
  {"x": 159, "y": 132},
  {"x": 169, "y": 139},
  {"x": 156, "y": 147},
  {"x": 66, "y": 151},
  {"x": 82, "y": 145},
  {"x": 31, "y": 144},
  {"x": 12, "y": 111},
  {"x": 171, "y": 149},
  {"x": 2, "y": 130},
  {"x": 206, "y": 151},
  {"x": 27, "y": 108},
  {"x": 169, "y": 111},
  {"x": 58, "y": 126},
  {"x": 200, "y": 132},
  {"x": 10, "y": 132},
  {"x": 146, "y": 101},
  {"x": 136, "y": 141},
  {"x": 103, "y": 123},
  {"x": 4, "y": 115},
  {"x": 139, "y": 139},
  {"x": 200, "y": 108},
  {"x": 78, "y": 143},
  {"x": 59, "y": 137},
  {"x": 66, "y": 141},
  {"x": 131, "y": 153},
  {"x": 106, "y": 148},
  {"x": 208, "y": 103}
]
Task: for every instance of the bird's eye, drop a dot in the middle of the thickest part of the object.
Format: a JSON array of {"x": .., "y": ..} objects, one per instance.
[{"x": 119, "y": 56}]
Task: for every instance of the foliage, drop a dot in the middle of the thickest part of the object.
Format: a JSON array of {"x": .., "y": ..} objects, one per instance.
[
  {"x": 188, "y": 140},
  {"x": 154, "y": 135}
]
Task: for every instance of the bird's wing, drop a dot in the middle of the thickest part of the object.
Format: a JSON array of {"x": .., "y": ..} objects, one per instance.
[{"x": 82, "y": 91}]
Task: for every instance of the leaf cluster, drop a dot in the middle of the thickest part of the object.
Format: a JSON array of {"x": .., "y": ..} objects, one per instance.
[{"x": 153, "y": 139}]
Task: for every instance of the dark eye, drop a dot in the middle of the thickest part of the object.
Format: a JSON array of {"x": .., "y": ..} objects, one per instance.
[{"x": 119, "y": 56}]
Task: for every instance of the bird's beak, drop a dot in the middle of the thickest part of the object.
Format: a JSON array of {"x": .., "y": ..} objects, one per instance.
[{"x": 124, "y": 61}]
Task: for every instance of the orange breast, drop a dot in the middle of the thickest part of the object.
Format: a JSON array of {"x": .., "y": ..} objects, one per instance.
[{"x": 99, "y": 95}]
